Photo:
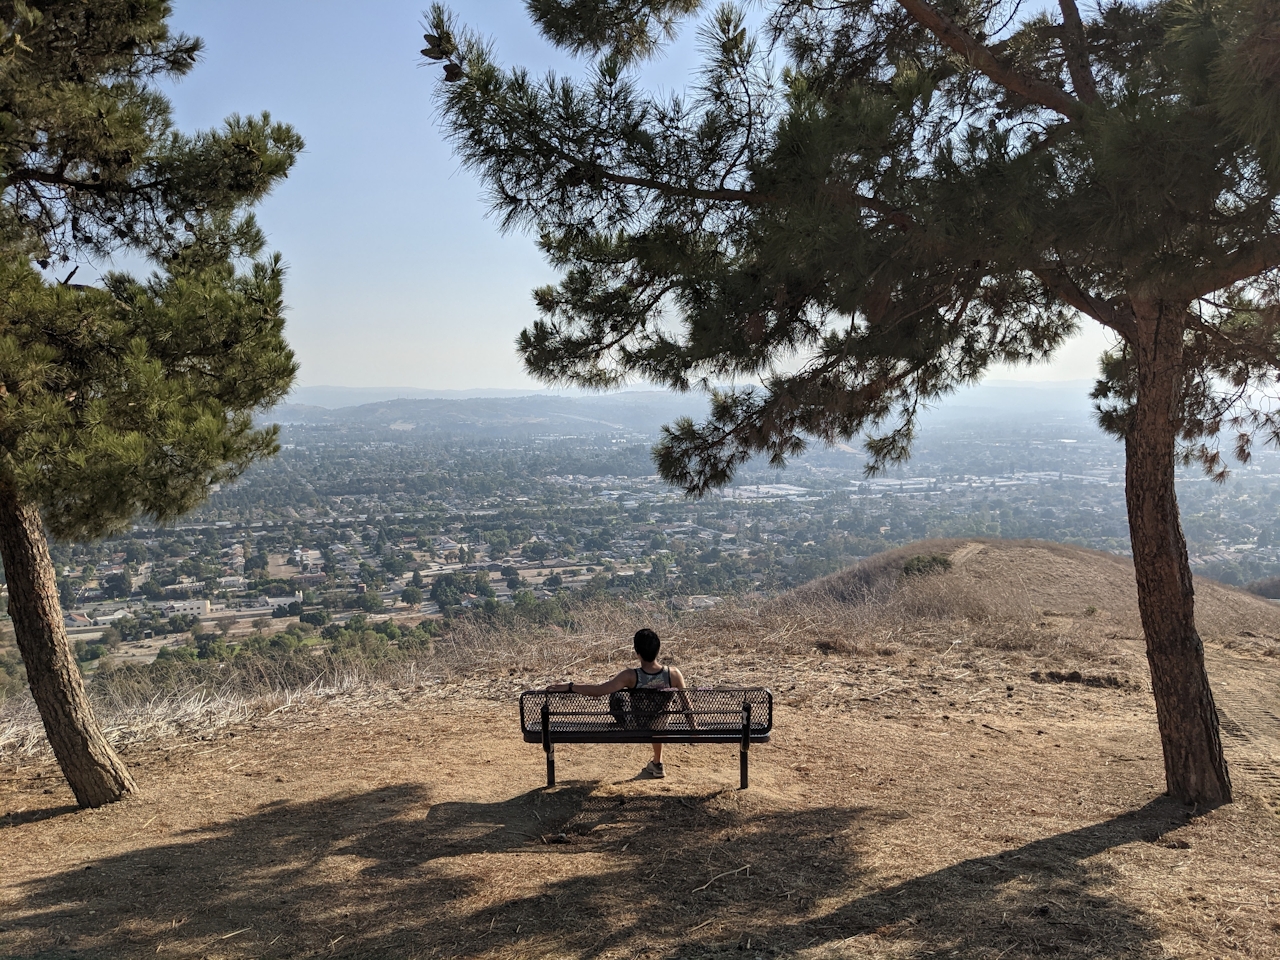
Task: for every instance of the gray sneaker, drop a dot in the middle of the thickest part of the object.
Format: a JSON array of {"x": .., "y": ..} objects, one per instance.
[{"x": 654, "y": 769}]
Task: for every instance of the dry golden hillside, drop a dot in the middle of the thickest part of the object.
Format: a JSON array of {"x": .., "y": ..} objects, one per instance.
[
  {"x": 965, "y": 764},
  {"x": 1031, "y": 579}
]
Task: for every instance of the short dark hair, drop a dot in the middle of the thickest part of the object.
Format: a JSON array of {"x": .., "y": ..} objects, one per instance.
[{"x": 647, "y": 645}]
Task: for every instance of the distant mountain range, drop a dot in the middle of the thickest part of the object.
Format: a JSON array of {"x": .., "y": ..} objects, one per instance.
[
  {"x": 335, "y": 398},
  {"x": 637, "y": 413}
]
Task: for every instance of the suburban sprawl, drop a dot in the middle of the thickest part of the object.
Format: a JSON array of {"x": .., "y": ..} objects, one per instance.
[{"x": 398, "y": 514}]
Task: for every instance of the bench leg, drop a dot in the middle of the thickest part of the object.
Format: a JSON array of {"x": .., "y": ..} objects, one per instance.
[
  {"x": 746, "y": 745},
  {"x": 548, "y": 746},
  {"x": 742, "y": 768}
]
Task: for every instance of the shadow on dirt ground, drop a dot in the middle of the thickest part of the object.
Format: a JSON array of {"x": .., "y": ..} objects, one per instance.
[
  {"x": 583, "y": 872},
  {"x": 37, "y": 815}
]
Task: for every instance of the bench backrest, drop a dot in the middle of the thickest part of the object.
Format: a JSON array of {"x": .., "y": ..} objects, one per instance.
[{"x": 717, "y": 713}]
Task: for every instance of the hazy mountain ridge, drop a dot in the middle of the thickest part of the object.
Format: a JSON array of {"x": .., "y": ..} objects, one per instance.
[
  {"x": 336, "y": 397},
  {"x": 641, "y": 413},
  {"x": 635, "y": 413}
]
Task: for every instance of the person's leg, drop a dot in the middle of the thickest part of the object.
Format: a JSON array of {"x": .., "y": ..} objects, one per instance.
[{"x": 654, "y": 769}]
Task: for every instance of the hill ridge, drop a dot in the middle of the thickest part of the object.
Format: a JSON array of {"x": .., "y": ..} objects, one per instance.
[{"x": 1029, "y": 578}]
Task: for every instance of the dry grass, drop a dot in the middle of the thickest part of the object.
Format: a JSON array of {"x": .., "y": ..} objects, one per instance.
[
  {"x": 930, "y": 792},
  {"x": 1031, "y": 579},
  {"x": 1005, "y": 606},
  {"x": 984, "y": 611},
  {"x": 193, "y": 714}
]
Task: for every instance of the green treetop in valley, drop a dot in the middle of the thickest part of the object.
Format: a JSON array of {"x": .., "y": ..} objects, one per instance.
[
  {"x": 862, "y": 205},
  {"x": 133, "y": 397}
]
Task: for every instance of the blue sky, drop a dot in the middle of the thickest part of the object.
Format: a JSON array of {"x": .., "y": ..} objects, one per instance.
[{"x": 397, "y": 277}]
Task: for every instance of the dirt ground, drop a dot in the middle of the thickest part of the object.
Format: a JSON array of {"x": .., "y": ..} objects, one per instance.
[
  {"x": 947, "y": 817},
  {"x": 973, "y": 788}
]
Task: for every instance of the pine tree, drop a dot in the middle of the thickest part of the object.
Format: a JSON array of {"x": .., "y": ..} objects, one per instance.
[
  {"x": 131, "y": 397},
  {"x": 861, "y": 205}
]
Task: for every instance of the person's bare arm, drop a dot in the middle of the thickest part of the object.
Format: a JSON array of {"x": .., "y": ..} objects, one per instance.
[
  {"x": 677, "y": 681},
  {"x": 596, "y": 689}
]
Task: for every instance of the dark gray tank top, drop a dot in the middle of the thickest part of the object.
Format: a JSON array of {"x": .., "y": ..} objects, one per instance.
[{"x": 654, "y": 680}]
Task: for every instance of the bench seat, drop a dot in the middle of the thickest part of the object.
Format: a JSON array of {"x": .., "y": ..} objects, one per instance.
[{"x": 741, "y": 715}]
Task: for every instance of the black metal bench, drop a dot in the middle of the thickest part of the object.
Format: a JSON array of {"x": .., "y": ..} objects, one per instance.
[{"x": 725, "y": 715}]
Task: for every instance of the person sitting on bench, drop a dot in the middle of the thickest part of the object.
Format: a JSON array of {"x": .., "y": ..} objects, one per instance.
[{"x": 650, "y": 675}]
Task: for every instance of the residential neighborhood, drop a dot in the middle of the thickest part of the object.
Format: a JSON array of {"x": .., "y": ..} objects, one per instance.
[{"x": 420, "y": 529}]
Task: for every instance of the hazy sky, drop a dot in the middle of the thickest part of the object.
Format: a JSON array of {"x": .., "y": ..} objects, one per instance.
[{"x": 397, "y": 276}]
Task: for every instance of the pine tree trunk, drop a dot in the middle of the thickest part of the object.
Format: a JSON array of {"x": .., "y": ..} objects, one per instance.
[
  {"x": 93, "y": 770},
  {"x": 1195, "y": 770}
]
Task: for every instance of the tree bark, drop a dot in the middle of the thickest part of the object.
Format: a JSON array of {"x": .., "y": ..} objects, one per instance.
[
  {"x": 91, "y": 766},
  {"x": 1195, "y": 769}
]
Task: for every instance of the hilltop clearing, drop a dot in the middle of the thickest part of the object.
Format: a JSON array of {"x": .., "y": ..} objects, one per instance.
[
  {"x": 1061, "y": 588},
  {"x": 965, "y": 763}
]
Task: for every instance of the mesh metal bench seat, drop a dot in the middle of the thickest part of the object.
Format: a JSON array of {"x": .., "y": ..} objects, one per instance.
[{"x": 741, "y": 715}]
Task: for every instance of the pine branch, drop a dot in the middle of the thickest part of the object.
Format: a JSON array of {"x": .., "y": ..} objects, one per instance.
[
  {"x": 31, "y": 175},
  {"x": 1232, "y": 348},
  {"x": 1060, "y": 284},
  {"x": 692, "y": 193},
  {"x": 1076, "y": 48},
  {"x": 983, "y": 58},
  {"x": 894, "y": 215},
  {"x": 1253, "y": 260},
  {"x": 754, "y": 198}
]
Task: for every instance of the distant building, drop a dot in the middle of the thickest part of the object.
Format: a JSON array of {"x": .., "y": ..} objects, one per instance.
[
  {"x": 186, "y": 607},
  {"x": 308, "y": 562},
  {"x": 272, "y": 602},
  {"x": 112, "y": 617}
]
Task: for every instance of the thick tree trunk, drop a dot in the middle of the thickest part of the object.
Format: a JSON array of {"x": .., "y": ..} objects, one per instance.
[
  {"x": 1195, "y": 770},
  {"x": 91, "y": 767}
]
